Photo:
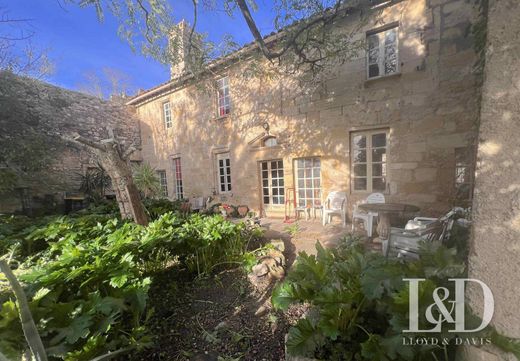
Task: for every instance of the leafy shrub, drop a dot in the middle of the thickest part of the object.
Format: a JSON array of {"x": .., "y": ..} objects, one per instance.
[
  {"x": 94, "y": 183},
  {"x": 15, "y": 232},
  {"x": 214, "y": 242},
  {"x": 157, "y": 207},
  {"x": 106, "y": 207},
  {"x": 146, "y": 180},
  {"x": 361, "y": 302},
  {"x": 89, "y": 286}
]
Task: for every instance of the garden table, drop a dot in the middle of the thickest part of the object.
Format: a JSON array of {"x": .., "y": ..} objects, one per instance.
[{"x": 384, "y": 211}]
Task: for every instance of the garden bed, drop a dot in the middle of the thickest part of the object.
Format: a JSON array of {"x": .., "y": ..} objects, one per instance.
[{"x": 211, "y": 318}]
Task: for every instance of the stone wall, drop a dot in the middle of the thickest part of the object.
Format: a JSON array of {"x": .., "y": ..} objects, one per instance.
[
  {"x": 31, "y": 109},
  {"x": 429, "y": 110},
  {"x": 495, "y": 246}
]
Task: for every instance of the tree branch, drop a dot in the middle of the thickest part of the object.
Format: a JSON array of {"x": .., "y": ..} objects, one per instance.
[
  {"x": 195, "y": 16},
  {"x": 89, "y": 143},
  {"x": 146, "y": 19},
  {"x": 244, "y": 9},
  {"x": 305, "y": 25},
  {"x": 129, "y": 151}
]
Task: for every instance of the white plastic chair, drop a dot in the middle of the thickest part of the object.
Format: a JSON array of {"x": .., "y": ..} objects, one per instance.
[
  {"x": 368, "y": 217},
  {"x": 336, "y": 204}
]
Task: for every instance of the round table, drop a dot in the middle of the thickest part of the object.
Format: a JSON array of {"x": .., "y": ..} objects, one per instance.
[{"x": 384, "y": 211}]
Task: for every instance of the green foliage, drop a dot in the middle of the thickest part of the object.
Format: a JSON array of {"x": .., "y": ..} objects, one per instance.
[
  {"x": 361, "y": 302},
  {"x": 156, "y": 207},
  {"x": 214, "y": 243},
  {"x": 146, "y": 180},
  {"x": 293, "y": 229},
  {"x": 94, "y": 183},
  {"x": 87, "y": 283}
]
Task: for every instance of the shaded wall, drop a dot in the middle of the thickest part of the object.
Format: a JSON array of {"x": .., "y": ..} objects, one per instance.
[
  {"x": 33, "y": 112},
  {"x": 495, "y": 247}
]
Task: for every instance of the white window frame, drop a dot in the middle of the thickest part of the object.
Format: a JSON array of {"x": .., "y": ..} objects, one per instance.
[
  {"x": 316, "y": 200},
  {"x": 224, "y": 170},
  {"x": 177, "y": 178},
  {"x": 276, "y": 182},
  {"x": 369, "y": 163},
  {"x": 381, "y": 34},
  {"x": 223, "y": 97},
  {"x": 163, "y": 181},
  {"x": 167, "y": 114}
]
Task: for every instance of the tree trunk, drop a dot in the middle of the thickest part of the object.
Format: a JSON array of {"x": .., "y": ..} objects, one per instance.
[
  {"x": 115, "y": 163},
  {"x": 127, "y": 194}
]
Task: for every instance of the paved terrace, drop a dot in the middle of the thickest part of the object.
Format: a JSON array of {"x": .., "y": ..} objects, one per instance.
[{"x": 309, "y": 231}]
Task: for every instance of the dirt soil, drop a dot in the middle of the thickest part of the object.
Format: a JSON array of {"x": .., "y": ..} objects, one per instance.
[{"x": 213, "y": 319}]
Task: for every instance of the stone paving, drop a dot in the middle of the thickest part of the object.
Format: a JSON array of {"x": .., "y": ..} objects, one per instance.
[{"x": 308, "y": 232}]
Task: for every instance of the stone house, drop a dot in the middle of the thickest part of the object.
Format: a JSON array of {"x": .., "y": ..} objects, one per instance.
[
  {"x": 32, "y": 113},
  {"x": 400, "y": 117}
]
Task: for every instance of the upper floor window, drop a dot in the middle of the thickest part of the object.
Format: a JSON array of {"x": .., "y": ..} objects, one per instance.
[
  {"x": 368, "y": 162},
  {"x": 223, "y": 97},
  {"x": 167, "y": 115},
  {"x": 383, "y": 53}
]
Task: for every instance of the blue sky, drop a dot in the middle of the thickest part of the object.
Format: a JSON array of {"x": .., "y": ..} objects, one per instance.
[{"x": 80, "y": 44}]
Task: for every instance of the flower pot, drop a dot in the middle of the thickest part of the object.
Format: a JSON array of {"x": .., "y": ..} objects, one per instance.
[{"x": 242, "y": 210}]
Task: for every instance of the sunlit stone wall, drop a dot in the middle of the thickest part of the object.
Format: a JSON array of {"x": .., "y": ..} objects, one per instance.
[{"x": 429, "y": 110}]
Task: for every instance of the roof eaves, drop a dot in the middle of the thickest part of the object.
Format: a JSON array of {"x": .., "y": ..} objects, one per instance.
[{"x": 223, "y": 60}]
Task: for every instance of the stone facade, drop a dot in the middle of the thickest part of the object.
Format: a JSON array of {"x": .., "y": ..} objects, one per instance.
[
  {"x": 429, "y": 111},
  {"x": 28, "y": 105},
  {"x": 495, "y": 245}
]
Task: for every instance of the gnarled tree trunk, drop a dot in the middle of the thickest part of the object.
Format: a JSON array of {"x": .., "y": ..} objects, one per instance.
[{"x": 115, "y": 162}]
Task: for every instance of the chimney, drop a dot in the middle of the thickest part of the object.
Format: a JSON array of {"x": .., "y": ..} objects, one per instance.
[{"x": 179, "y": 48}]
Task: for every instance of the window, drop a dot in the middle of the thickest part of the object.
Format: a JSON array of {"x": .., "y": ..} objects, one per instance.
[
  {"x": 308, "y": 173},
  {"x": 383, "y": 53},
  {"x": 163, "y": 182},
  {"x": 272, "y": 182},
  {"x": 167, "y": 115},
  {"x": 463, "y": 173},
  {"x": 223, "y": 97},
  {"x": 177, "y": 177},
  {"x": 270, "y": 142},
  {"x": 224, "y": 173},
  {"x": 369, "y": 161}
]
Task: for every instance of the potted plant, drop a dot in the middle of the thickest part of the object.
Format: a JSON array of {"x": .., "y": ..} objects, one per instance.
[{"x": 225, "y": 210}]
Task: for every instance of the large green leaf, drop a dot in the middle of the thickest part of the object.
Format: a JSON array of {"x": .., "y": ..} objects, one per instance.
[
  {"x": 283, "y": 295},
  {"x": 303, "y": 338}
]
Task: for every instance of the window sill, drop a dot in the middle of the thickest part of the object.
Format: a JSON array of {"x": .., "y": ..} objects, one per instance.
[
  {"x": 367, "y": 193},
  {"x": 382, "y": 77},
  {"x": 222, "y": 118}
]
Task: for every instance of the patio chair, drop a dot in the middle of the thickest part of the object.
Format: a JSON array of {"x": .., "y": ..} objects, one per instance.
[
  {"x": 367, "y": 217},
  {"x": 404, "y": 243},
  {"x": 336, "y": 204}
]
